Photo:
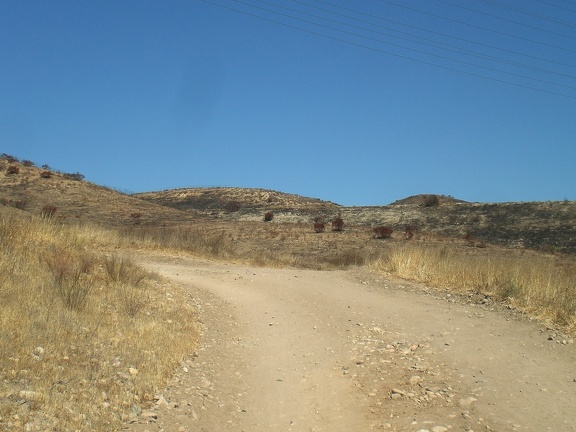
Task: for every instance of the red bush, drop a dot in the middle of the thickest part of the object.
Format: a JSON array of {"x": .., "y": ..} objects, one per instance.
[
  {"x": 383, "y": 232},
  {"x": 338, "y": 224},
  {"x": 268, "y": 216}
]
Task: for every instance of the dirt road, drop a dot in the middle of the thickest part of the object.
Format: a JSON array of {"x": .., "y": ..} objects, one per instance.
[{"x": 297, "y": 350}]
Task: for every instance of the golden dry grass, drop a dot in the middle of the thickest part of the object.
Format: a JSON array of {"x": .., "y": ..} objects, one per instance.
[
  {"x": 85, "y": 339},
  {"x": 543, "y": 285}
]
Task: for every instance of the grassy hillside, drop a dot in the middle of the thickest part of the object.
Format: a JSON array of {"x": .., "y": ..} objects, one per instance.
[{"x": 72, "y": 199}]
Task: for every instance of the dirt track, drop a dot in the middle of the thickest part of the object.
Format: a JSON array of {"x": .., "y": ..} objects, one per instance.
[{"x": 296, "y": 350}]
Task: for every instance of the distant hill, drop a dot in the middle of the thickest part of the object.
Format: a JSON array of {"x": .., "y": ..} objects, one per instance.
[
  {"x": 428, "y": 200},
  {"x": 73, "y": 199},
  {"x": 230, "y": 199}
]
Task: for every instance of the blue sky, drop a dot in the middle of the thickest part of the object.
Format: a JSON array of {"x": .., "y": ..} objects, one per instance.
[{"x": 358, "y": 102}]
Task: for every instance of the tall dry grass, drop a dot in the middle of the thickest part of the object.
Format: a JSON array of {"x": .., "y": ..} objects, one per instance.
[
  {"x": 85, "y": 339},
  {"x": 544, "y": 285}
]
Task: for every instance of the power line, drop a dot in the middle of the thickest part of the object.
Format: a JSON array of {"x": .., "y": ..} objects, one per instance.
[
  {"x": 505, "y": 19},
  {"x": 429, "y": 42},
  {"x": 527, "y": 12},
  {"x": 431, "y": 31},
  {"x": 477, "y": 75},
  {"x": 479, "y": 27},
  {"x": 402, "y": 46}
]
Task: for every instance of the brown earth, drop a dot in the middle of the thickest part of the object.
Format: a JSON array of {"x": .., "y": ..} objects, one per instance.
[{"x": 303, "y": 350}]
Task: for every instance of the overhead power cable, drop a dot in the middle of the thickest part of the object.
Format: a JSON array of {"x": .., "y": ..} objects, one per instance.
[
  {"x": 429, "y": 63},
  {"x": 427, "y": 41},
  {"x": 402, "y": 46},
  {"x": 528, "y": 12},
  {"x": 479, "y": 27},
  {"x": 497, "y": 48},
  {"x": 505, "y": 19}
]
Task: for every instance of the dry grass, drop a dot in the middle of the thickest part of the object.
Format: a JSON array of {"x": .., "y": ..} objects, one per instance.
[
  {"x": 85, "y": 340},
  {"x": 543, "y": 285}
]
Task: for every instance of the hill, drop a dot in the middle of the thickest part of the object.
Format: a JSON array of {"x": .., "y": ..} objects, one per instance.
[
  {"x": 72, "y": 199},
  {"x": 230, "y": 200},
  {"x": 428, "y": 200},
  {"x": 549, "y": 226}
]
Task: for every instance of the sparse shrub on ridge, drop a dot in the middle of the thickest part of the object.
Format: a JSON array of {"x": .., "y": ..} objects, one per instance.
[
  {"x": 431, "y": 201},
  {"x": 27, "y": 163},
  {"x": 74, "y": 176},
  {"x": 45, "y": 174},
  {"x": 268, "y": 216},
  {"x": 383, "y": 232},
  {"x": 9, "y": 158}
]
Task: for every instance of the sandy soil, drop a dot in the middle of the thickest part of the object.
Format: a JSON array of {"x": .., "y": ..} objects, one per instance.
[{"x": 297, "y": 350}]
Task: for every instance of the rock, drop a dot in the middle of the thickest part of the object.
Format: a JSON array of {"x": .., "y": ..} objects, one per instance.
[
  {"x": 439, "y": 429},
  {"x": 149, "y": 415},
  {"x": 414, "y": 379},
  {"x": 466, "y": 402}
]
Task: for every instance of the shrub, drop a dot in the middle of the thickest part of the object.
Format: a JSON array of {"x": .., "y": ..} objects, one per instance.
[
  {"x": 136, "y": 217},
  {"x": 74, "y": 176},
  {"x": 27, "y": 163},
  {"x": 409, "y": 231},
  {"x": 19, "y": 204},
  {"x": 338, "y": 224},
  {"x": 268, "y": 216},
  {"x": 48, "y": 212},
  {"x": 431, "y": 201},
  {"x": 12, "y": 169},
  {"x": 45, "y": 174},
  {"x": 232, "y": 206},
  {"x": 70, "y": 277},
  {"x": 46, "y": 167},
  {"x": 9, "y": 158},
  {"x": 383, "y": 232},
  {"x": 319, "y": 226}
]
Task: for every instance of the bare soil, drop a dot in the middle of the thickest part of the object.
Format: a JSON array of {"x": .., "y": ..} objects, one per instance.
[{"x": 304, "y": 350}]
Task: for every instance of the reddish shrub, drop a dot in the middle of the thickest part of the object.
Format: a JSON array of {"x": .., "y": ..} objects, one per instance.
[
  {"x": 338, "y": 224},
  {"x": 319, "y": 226},
  {"x": 383, "y": 232},
  {"x": 48, "y": 211},
  {"x": 45, "y": 174},
  {"x": 409, "y": 232},
  {"x": 268, "y": 216}
]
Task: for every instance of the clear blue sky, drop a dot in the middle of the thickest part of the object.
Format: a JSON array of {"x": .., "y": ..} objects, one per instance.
[{"x": 360, "y": 102}]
